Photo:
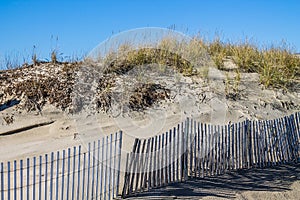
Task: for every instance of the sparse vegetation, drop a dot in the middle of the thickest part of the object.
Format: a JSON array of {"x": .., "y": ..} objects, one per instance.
[
  {"x": 53, "y": 57},
  {"x": 277, "y": 67},
  {"x": 133, "y": 58},
  {"x": 232, "y": 90}
]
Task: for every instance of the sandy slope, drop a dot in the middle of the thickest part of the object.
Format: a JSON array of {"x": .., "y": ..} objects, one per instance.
[{"x": 202, "y": 100}]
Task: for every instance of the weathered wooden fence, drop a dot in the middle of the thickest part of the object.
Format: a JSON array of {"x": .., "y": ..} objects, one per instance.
[
  {"x": 191, "y": 149},
  {"x": 195, "y": 149},
  {"x": 75, "y": 173}
]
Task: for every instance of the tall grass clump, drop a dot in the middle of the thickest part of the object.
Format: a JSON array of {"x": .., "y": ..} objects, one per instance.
[
  {"x": 218, "y": 50},
  {"x": 167, "y": 53},
  {"x": 278, "y": 66}
]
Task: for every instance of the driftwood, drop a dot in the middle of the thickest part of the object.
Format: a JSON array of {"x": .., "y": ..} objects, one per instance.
[{"x": 26, "y": 128}]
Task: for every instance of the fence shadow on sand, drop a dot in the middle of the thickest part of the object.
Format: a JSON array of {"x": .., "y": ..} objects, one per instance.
[{"x": 274, "y": 179}]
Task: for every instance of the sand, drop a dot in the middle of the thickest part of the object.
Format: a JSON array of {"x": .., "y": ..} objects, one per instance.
[
  {"x": 199, "y": 99},
  {"x": 279, "y": 182}
]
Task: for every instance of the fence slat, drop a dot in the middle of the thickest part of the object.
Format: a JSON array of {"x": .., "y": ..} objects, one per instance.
[
  {"x": 97, "y": 170},
  {"x": 51, "y": 175},
  {"x": 155, "y": 170},
  {"x": 162, "y": 161},
  {"x": 197, "y": 149},
  {"x": 202, "y": 147},
  {"x": 134, "y": 166},
  {"x": 8, "y": 180},
  {"x": 192, "y": 148},
  {"x": 40, "y": 176},
  {"x": 239, "y": 146},
  {"x": 151, "y": 167},
  {"x": 21, "y": 179},
  {"x": 221, "y": 150},
  {"x": 15, "y": 179},
  {"x": 144, "y": 178},
  {"x": 73, "y": 173},
  {"x": 78, "y": 173},
  {"x": 93, "y": 169},
  {"x": 169, "y": 157},
  {"x": 140, "y": 157},
  {"x": 68, "y": 175},
  {"x": 28, "y": 173},
  {"x": 282, "y": 138},
  {"x": 2, "y": 180},
  {"x": 46, "y": 175},
  {"x": 114, "y": 143},
  {"x": 124, "y": 192},
  {"x": 57, "y": 175},
  {"x": 174, "y": 160},
  {"x": 219, "y": 138},
  {"x": 102, "y": 168},
  {"x": 242, "y": 135},
  {"x": 159, "y": 171},
  {"x": 89, "y": 168},
  {"x": 83, "y": 175},
  {"x": 63, "y": 174}
]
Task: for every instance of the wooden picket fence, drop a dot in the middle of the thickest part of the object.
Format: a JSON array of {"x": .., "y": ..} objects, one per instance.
[
  {"x": 196, "y": 150},
  {"x": 75, "y": 173}
]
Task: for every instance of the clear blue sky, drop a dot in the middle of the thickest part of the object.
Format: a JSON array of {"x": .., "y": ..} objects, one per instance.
[{"x": 81, "y": 25}]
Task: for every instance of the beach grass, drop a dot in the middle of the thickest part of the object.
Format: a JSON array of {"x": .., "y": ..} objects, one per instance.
[{"x": 277, "y": 66}]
